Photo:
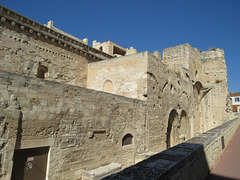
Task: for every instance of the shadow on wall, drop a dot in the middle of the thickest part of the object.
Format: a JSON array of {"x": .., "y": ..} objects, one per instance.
[
  {"x": 19, "y": 132},
  {"x": 182, "y": 162}
]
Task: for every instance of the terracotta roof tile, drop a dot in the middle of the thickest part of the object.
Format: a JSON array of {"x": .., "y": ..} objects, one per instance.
[{"x": 235, "y": 94}]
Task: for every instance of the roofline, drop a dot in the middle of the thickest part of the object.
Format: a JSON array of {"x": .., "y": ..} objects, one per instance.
[{"x": 234, "y": 94}]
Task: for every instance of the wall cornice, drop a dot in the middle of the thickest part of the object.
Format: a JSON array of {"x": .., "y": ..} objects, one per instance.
[{"x": 33, "y": 27}]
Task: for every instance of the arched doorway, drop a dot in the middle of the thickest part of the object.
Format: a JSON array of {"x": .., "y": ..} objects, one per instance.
[
  {"x": 184, "y": 127},
  {"x": 172, "y": 129}
]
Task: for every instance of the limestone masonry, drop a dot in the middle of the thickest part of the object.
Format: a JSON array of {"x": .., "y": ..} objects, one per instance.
[{"x": 81, "y": 112}]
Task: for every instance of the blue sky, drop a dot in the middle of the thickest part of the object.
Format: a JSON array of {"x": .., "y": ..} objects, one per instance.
[{"x": 146, "y": 24}]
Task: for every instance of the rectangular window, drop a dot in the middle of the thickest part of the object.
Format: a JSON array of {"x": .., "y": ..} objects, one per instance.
[{"x": 237, "y": 99}]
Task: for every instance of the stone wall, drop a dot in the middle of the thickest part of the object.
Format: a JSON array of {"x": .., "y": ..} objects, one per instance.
[
  {"x": 24, "y": 54},
  {"x": 214, "y": 76},
  {"x": 124, "y": 76},
  {"x": 213, "y": 66},
  {"x": 207, "y": 72},
  {"x": 167, "y": 93},
  {"x": 213, "y": 108},
  {"x": 83, "y": 127},
  {"x": 170, "y": 93},
  {"x": 10, "y": 120},
  {"x": 193, "y": 159},
  {"x": 25, "y": 45},
  {"x": 86, "y": 127}
]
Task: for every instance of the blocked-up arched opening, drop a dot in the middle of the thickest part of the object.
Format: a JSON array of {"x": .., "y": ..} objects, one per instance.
[
  {"x": 200, "y": 120},
  {"x": 41, "y": 71},
  {"x": 108, "y": 86},
  {"x": 198, "y": 86},
  {"x": 184, "y": 127},
  {"x": 127, "y": 139},
  {"x": 172, "y": 131}
]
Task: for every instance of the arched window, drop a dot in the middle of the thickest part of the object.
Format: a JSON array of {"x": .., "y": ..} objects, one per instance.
[
  {"x": 172, "y": 129},
  {"x": 127, "y": 139},
  {"x": 41, "y": 71},
  {"x": 101, "y": 48}
]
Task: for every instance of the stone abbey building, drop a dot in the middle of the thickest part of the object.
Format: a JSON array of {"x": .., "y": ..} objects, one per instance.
[{"x": 67, "y": 108}]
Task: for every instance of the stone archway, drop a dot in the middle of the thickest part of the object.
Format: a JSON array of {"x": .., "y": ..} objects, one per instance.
[
  {"x": 200, "y": 93},
  {"x": 172, "y": 129},
  {"x": 184, "y": 127}
]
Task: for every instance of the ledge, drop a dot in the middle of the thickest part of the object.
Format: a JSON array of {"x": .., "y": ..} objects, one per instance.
[{"x": 101, "y": 172}]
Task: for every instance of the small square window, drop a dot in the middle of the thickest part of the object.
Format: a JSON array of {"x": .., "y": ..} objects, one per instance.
[{"x": 237, "y": 99}]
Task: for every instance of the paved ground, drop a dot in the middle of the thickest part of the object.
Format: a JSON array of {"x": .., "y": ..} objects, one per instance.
[{"x": 229, "y": 166}]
